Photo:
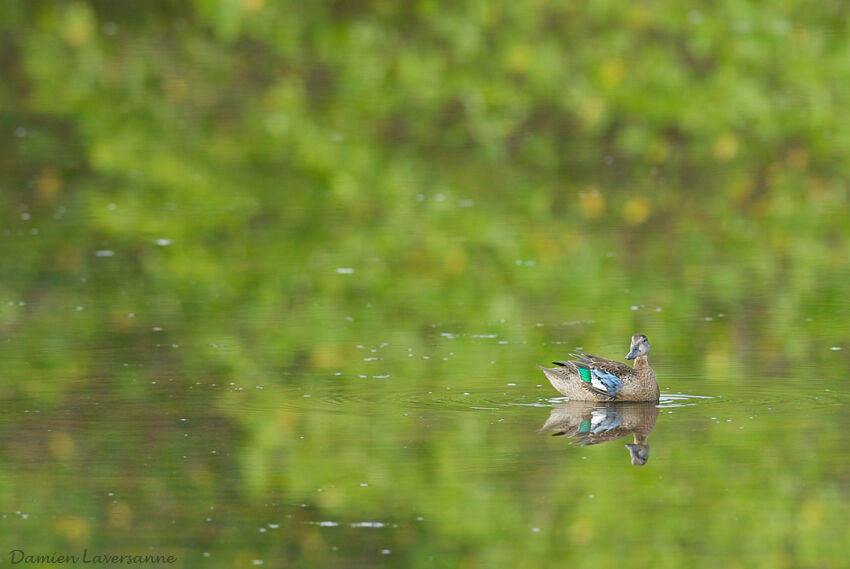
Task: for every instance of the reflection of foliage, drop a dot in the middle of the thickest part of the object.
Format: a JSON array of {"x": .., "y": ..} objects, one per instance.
[
  {"x": 480, "y": 166},
  {"x": 429, "y": 149}
]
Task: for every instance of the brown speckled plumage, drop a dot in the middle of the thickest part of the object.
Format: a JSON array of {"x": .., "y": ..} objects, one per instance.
[{"x": 638, "y": 383}]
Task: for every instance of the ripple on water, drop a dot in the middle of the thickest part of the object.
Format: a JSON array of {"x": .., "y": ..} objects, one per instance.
[{"x": 669, "y": 400}]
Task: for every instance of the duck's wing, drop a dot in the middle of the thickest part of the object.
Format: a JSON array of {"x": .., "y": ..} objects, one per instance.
[
  {"x": 603, "y": 364},
  {"x": 600, "y": 376},
  {"x": 595, "y": 380}
]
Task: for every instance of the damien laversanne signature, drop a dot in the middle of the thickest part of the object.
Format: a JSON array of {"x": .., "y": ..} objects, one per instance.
[{"x": 17, "y": 556}]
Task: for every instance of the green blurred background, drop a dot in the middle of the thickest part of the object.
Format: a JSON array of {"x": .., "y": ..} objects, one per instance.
[{"x": 229, "y": 227}]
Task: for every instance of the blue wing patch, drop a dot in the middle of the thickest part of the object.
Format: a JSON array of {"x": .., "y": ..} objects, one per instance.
[{"x": 604, "y": 381}]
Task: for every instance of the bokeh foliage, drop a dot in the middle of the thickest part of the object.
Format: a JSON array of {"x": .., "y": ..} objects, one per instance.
[{"x": 258, "y": 192}]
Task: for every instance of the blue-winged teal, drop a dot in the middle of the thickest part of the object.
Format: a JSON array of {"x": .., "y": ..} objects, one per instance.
[{"x": 591, "y": 378}]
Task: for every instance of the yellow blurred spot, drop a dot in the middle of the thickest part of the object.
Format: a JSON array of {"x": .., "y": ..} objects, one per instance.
[
  {"x": 417, "y": 259},
  {"x": 61, "y": 445},
  {"x": 636, "y": 211},
  {"x": 68, "y": 258},
  {"x": 455, "y": 261},
  {"x": 780, "y": 243},
  {"x": 119, "y": 515},
  {"x": 253, "y": 5},
  {"x": 592, "y": 203},
  {"x": 717, "y": 360},
  {"x": 518, "y": 59},
  {"x": 694, "y": 275},
  {"x": 812, "y": 516},
  {"x": 79, "y": 24},
  {"x": 742, "y": 188},
  {"x": 580, "y": 532},
  {"x": 591, "y": 110},
  {"x": 726, "y": 147},
  {"x": 639, "y": 17},
  {"x": 818, "y": 188},
  {"x": 47, "y": 185},
  {"x": 286, "y": 419},
  {"x": 73, "y": 528},
  {"x": 331, "y": 498},
  {"x": 120, "y": 319},
  {"x": 175, "y": 88},
  {"x": 611, "y": 73},
  {"x": 325, "y": 356},
  {"x": 547, "y": 248},
  {"x": 797, "y": 157},
  {"x": 658, "y": 150}
]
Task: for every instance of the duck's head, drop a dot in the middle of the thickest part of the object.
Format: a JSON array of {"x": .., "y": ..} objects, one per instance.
[
  {"x": 640, "y": 347},
  {"x": 638, "y": 454}
]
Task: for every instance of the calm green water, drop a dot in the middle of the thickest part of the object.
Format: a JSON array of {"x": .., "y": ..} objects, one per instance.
[
  {"x": 412, "y": 445},
  {"x": 275, "y": 279}
]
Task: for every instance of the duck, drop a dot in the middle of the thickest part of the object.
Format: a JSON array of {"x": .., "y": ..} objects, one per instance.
[{"x": 590, "y": 378}]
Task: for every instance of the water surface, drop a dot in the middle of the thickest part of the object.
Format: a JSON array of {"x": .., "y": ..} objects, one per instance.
[{"x": 275, "y": 279}]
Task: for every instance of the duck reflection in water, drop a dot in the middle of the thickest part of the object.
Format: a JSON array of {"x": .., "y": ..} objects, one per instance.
[{"x": 590, "y": 423}]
